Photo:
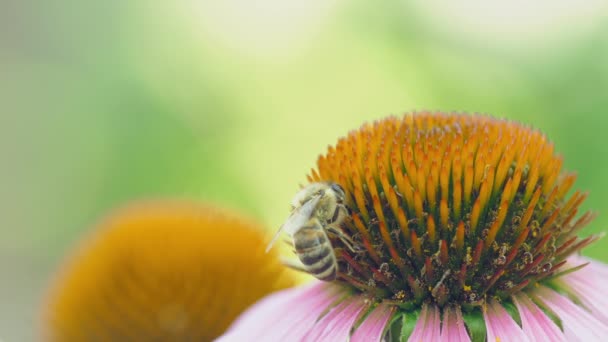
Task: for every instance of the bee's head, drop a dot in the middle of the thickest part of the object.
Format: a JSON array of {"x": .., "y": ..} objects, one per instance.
[{"x": 338, "y": 191}]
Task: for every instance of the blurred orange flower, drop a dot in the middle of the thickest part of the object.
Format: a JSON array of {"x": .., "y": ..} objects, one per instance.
[{"x": 162, "y": 270}]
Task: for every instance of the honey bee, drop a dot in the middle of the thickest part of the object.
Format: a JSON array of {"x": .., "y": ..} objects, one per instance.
[{"x": 317, "y": 210}]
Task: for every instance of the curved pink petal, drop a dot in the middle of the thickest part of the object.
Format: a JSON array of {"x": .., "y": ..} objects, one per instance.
[
  {"x": 428, "y": 326},
  {"x": 598, "y": 268},
  {"x": 579, "y": 325},
  {"x": 535, "y": 323},
  {"x": 285, "y": 315},
  {"x": 587, "y": 284},
  {"x": 452, "y": 327},
  {"x": 338, "y": 322},
  {"x": 500, "y": 325},
  {"x": 372, "y": 329}
]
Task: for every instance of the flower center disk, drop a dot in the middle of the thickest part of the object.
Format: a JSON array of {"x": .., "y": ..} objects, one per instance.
[{"x": 451, "y": 209}]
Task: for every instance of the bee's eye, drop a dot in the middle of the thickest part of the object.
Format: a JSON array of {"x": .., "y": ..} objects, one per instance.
[{"x": 338, "y": 189}]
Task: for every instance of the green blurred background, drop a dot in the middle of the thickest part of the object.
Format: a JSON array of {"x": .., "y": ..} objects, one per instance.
[{"x": 106, "y": 102}]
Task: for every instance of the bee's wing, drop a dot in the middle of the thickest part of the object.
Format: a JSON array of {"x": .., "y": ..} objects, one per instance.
[
  {"x": 300, "y": 216},
  {"x": 297, "y": 218}
]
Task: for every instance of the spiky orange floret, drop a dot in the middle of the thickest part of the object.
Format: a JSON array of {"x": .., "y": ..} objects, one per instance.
[
  {"x": 162, "y": 271},
  {"x": 451, "y": 208}
]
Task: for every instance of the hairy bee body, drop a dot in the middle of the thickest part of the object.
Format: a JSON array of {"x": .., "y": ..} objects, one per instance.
[{"x": 317, "y": 209}]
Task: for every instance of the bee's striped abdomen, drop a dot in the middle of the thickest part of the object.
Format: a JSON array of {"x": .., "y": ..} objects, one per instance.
[{"x": 315, "y": 251}]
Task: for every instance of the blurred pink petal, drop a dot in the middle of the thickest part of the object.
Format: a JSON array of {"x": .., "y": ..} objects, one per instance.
[
  {"x": 428, "y": 327},
  {"x": 372, "y": 329},
  {"x": 587, "y": 285},
  {"x": 286, "y": 315},
  {"x": 452, "y": 327},
  {"x": 338, "y": 322},
  {"x": 500, "y": 325},
  {"x": 598, "y": 268},
  {"x": 535, "y": 323},
  {"x": 322, "y": 312},
  {"x": 579, "y": 325}
]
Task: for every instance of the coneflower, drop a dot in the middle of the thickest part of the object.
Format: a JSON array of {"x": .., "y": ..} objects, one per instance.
[
  {"x": 463, "y": 229},
  {"x": 162, "y": 271}
]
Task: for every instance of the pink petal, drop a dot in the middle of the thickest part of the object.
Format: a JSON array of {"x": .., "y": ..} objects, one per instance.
[
  {"x": 535, "y": 323},
  {"x": 587, "y": 285},
  {"x": 428, "y": 326},
  {"x": 285, "y": 315},
  {"x": 372, "y": 329},
  {"x": 599, "y": 268},
  {"x": 452, "y": 328},
  {"x": 338, "y": 322},
  {"x": 579, "y": 325},
  {"x": 500, "y": 325}
]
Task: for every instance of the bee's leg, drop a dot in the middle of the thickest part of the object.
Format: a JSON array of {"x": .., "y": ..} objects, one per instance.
[
  {"x": 345, "y": 239},
  {"x": 293, "y": 264}
]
